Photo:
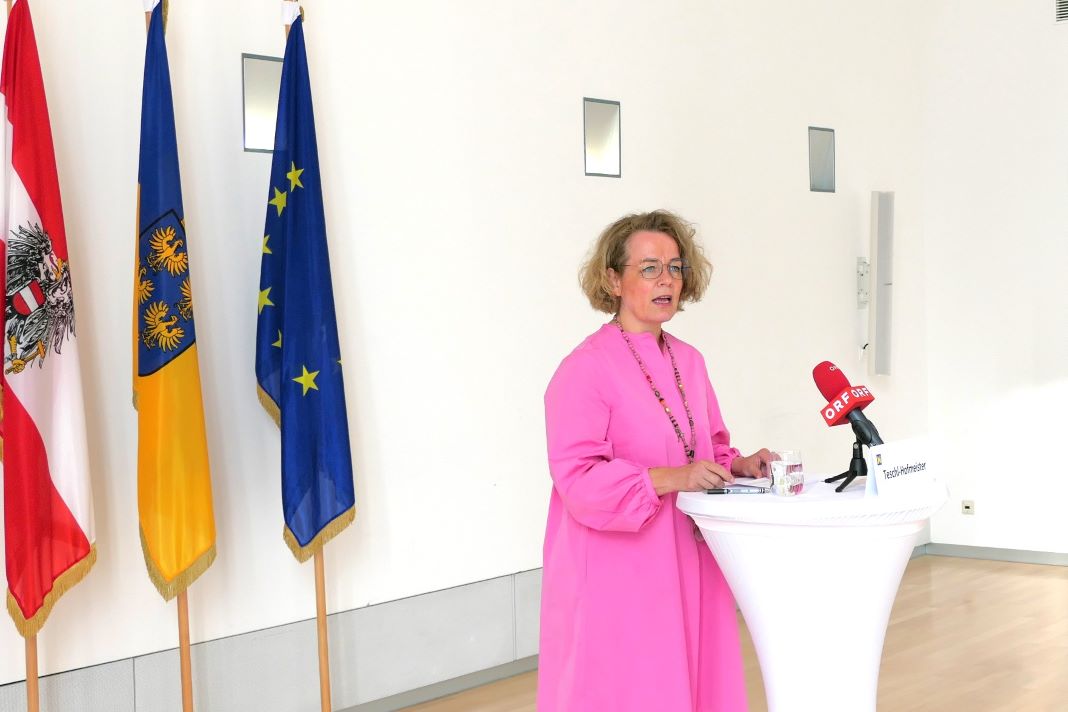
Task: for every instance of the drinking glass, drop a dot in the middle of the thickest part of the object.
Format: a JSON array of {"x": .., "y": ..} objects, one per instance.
[{"x": 787, "y": 472}]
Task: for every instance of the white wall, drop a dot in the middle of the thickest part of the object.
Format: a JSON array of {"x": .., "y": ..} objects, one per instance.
[
  {"x": 995, "y": 153},
  {"x": 450, "y": 142}
]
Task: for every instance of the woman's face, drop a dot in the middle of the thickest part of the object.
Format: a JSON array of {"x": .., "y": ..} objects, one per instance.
[{"x": 645, "y": 304}]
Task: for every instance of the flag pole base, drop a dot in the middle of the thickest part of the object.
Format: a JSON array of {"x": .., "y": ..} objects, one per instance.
[
  {"x": 183, "y": 651},
  {"x": 33, "y": 693},
  {"x": 320, "y": 618}
]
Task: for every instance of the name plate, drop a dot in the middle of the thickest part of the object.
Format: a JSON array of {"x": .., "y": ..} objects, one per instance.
[{"x": 898, "y": 468}]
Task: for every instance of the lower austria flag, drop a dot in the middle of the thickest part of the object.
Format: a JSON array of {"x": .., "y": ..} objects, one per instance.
[
  {"x": 174, "y": 504},
  {"x": 48, "y": 509}
]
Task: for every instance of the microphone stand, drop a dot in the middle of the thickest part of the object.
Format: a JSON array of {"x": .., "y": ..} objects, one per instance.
[{"x": 858, "y": 467}]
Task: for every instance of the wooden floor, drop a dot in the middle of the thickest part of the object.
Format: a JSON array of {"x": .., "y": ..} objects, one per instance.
[{"x": 980, "y": 636}]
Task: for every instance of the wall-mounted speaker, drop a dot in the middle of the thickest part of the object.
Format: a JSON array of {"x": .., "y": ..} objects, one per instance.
[{"x": 880, "y": 320}]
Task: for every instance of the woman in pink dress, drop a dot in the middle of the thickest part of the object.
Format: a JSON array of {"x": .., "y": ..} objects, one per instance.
[{"x": 635, "y": 613}]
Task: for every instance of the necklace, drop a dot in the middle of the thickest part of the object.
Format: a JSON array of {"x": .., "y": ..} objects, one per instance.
[{"x": 688, "y": 449}]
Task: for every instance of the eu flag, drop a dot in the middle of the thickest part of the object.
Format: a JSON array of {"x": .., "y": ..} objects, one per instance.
[{"x": 298, "y": 360}]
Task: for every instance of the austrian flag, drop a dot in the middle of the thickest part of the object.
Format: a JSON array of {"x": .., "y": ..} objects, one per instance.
[{"x": 48, "y": 511}]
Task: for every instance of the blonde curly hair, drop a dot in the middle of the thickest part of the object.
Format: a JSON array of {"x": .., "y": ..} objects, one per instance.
[{"x": 610, "y": 252}]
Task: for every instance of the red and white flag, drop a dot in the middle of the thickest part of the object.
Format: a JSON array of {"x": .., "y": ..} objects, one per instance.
[{"x": 48, "y": 509}]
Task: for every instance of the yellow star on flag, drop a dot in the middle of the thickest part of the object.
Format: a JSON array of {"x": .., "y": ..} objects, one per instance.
[
  {"x": 266, "y": 250},
  {"x": 265, "y": 299},
  {"x": 294, "y": 176},
  {"x": 278, "y": 201},
  {"x": 279, "y": 342},
  {"x": 307, "y": 380}
]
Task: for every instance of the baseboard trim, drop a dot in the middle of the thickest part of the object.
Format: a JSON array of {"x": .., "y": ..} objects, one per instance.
[
  {"x": 1016, "y": 556},
  {"x": 447, "y": 687}
]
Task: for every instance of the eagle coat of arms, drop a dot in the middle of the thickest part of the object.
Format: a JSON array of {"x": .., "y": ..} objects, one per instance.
[
  {"x": 39, "y": 309},
  {"x": 162, "y": 285}
]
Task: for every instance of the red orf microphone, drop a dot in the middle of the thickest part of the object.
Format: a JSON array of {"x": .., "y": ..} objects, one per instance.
[{"x": 844, "y": 402}]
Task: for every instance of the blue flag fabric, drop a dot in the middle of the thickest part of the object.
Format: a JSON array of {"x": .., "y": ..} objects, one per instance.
[
  {"x": 163, "y": 261},
  {"x": 298, "y": 360}
]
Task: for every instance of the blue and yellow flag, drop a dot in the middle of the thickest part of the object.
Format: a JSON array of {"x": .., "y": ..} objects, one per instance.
[
  {"x": 173, "y": 477},
  {"x": 298, "y": 360}
]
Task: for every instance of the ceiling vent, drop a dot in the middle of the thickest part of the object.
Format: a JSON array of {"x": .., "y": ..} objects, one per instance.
[{"x": 1061, "y": 10}]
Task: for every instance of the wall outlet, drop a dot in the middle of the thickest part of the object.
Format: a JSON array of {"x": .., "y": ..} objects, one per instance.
[{"x": 967, "y": 506}]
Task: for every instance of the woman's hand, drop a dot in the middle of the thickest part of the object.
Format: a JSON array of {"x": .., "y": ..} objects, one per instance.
[
  {"x": 695, "y": 477},
  {"x": 755, "y": 465}
]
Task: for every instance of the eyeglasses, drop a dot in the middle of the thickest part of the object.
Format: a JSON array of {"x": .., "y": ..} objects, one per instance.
[{"x": 652, "y": 269}]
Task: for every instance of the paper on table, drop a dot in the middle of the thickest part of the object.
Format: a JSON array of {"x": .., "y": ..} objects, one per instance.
[{"x": 751, "y": 482}]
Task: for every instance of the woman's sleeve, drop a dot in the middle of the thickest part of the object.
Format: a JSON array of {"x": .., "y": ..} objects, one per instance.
[
  {"x": 599, "y": 490},
  {"x": 722, "y": 452}
]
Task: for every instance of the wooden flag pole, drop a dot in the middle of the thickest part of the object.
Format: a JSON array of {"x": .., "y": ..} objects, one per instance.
[
  {"x": 33, "y": 695},
  {"x": 320, "y": 600},
  {"x": 33, "y": 690},
  {"x": 287, "y": 26},
  {"x": 320, "y": 618},
  {"x": 183, "y": 597},
  {"x": 148, "y": 17},
  {"x": 183, "y": 646}
]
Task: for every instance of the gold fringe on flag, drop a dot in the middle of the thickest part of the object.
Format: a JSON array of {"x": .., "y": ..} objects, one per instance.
[
  {"x": 67, "y": 580},
  {"x": 331, "y": 530},
  {"x": 269, "y": 405},
  {"x": 170, "y": 589},
  {"x": 336, "y": 525}
]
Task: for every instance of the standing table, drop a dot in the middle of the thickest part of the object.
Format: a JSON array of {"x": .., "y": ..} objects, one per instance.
[{"x": 815, "y": 576}]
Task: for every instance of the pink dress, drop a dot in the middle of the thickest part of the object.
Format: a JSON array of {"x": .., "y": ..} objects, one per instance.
[{"x": 635, "y": 613}]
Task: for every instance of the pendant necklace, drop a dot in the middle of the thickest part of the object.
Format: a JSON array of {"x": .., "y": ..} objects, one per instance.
[{"x": 688, "y": 449}]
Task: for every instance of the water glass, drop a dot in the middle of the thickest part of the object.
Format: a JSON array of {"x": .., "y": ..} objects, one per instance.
[{"x": 787, "y": 472}]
